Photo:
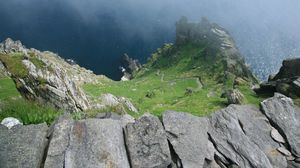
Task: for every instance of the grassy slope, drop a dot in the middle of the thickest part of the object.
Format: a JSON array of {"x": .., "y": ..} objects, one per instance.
[
  {"x": 13, "y": 105},
  {"x": 165, "y": 79}
]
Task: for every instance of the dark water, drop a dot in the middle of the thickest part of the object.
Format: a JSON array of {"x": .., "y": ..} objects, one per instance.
[{"x": 96, "y": 33}]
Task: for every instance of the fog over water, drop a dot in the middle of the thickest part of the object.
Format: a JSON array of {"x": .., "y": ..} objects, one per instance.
[{"x": 96, "y": 33}]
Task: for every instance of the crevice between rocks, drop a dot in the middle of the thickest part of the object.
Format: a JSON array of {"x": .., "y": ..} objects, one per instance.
[
  {"x": 126, "y": 147},
  {"x": 174, "y": 156}
]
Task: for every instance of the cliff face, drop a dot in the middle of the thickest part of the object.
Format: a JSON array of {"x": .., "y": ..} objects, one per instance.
[
  {"x": 45, "y": 77},
  {"x": 218, "y": 41}
]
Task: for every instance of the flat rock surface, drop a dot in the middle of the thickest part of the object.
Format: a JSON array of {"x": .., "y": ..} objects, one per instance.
[
  {"x": 188, "y": 136},
  {"x": 22, "y": 146},
  {"x": 147, "y": 143},
  {"x": 89, "y": 143}
]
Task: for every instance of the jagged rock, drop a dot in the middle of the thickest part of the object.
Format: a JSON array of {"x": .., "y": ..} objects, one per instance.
[
  {"x": 9, "y": 46},
  {"x": 281, "y": 112},
  {"x": 234, "y": 97},
  {"x": 147, "y": 143},
  {"x": 238, "y": 135},
  {"x": 23, "y": 146},
  {"x": 49, "y": 79},
  {"x": 10, "y": 122},
  {"x": 87, "y": 143},
  {"x": 276, "y": 136},
  {"x": 129, "y": 67},
  {"x": 188, "y": 137},
  {"x": 290, "y": 68}
]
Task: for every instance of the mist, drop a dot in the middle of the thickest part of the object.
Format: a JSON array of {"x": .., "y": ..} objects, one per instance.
[{"x": 96, "y": 33}]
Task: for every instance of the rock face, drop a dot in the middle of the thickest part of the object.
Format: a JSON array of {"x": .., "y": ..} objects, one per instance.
[
  {"x": 281, "y": 112},
  {"x": 23, "y": 146},
  {"x": 89, "y": 143},
  {"x": 46, "y": 78},
  {"x": 147, "y": 143},
  {"x": 287, "y": 81}
]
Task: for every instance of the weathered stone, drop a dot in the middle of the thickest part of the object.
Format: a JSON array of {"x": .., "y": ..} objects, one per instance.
[
  {"x": 147, "y": 143},
  {"x": 23, "y": 146},
  {"x": 88, "y": 143},
  {"x": 188, "y": 137},
  {"x": 276, "y": 136},
  {"x": 237, "y": 141},
  {"x": 284, "y": 151},
  {"x": 281, "y": 112},
  {"x": 10, "y": 122}
]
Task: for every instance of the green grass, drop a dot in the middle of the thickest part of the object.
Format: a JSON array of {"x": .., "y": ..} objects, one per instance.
[
  {"x": 7, "y": 89},
  {"x": 162, "y": 83},
  {"x": 13, "y": 105},
  {"x": 28, "y": 112},
  {"x": 14, "y": 64}
]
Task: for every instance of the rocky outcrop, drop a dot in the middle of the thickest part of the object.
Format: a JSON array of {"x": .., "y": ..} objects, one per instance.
[
  {"x": 45, "y": 77},
  {"x": 23, "y": 146},
  {"x": 237, "y": 136},
  {"x": 234, "y": 96},
  {"x": 130, "y": 66},
  {"x": 10, "y": 122},
  {"x": 219, "y": 41},
  {"x": 286, "y": 81}
]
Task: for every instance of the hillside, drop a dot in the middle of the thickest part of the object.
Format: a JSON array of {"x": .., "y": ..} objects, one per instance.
[{"x": 190, "y": 75}]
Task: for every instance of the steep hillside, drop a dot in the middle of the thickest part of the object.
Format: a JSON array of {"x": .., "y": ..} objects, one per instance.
[{"x": 196, "y": 74}]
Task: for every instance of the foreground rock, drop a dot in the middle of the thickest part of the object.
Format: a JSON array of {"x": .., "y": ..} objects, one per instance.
[
  {"x": 281, "y": 112},
  {"x": 23, "y": 146},
  {"x": 89, "y": 143},
  {"x": 188, "y": 137},
  {"x": 147, "y": 143}
]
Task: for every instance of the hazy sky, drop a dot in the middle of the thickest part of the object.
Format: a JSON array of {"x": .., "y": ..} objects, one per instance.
[{"x": 97, "y": 32}]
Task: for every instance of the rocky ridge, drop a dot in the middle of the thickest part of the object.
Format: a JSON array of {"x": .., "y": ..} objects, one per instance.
[
  {"x": 237, "y": 136},
  {"x": 49, "y": 79}
]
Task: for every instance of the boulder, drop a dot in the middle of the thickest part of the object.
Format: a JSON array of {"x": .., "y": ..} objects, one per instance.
[
  {"x": 281, "y": 112},
  {"x": 237, "y": 137},
  {"x": 188, "y": 136},
  {"x": 147, "y": 143},
  {"x": 87, "y": 143},
  {"x": 23, "y": 146},
  {"x": 10, "y": 122}
]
